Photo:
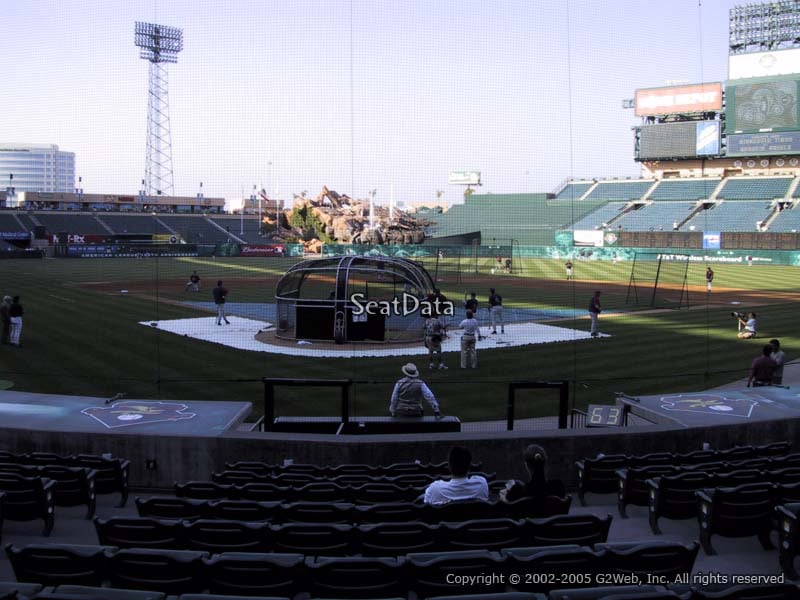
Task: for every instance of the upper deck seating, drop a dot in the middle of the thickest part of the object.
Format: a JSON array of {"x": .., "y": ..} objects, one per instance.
[
  {"x": 754, "y": 188},
  {"x": 684, "y": 189},
  {"x": 619, "y": 190}
]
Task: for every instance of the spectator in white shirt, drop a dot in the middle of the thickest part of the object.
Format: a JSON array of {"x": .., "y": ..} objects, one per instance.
[{"x": 460, "y": 486}]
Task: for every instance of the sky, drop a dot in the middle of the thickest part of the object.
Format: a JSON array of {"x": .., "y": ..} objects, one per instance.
[{"x": 355, "y": 95}]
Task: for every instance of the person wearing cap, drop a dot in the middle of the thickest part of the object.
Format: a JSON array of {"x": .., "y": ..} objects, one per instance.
[
  {"x": 5, "y": 317},
  {"x": 496, "y": 311},
  {"x": 594, "y": 311},
  {"x": 220, "y": 293},
  {"x": 408, "y": 394}
]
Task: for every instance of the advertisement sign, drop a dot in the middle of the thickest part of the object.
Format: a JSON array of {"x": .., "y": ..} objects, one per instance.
[
  {"x": 762, "y": 106},
  {"x": 701, "y": 97},
  {"x": 755, "y": 144},
  {"x": 707, "y": 138},
  {"x": 589, "y": 237},
  {"x": 464, "y": 178},
  {"x": 711, "y": 240},
  {"x": 262, "y": 250},
  {"x": 763, "y": 64},
  {"x": 129, "y": 251},
  {"x": 15, "y": 235}
]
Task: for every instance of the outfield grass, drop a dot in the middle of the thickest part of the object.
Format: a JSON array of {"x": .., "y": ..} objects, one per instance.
[{"x": 81, "y": 336}]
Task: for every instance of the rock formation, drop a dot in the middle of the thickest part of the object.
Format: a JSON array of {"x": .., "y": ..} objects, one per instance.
[{"x": 336, "y": 218}]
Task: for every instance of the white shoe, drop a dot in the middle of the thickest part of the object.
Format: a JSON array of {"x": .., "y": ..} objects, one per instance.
[
  {"x": 431, "y": 366},
  {"x": 442, "y": 366}
]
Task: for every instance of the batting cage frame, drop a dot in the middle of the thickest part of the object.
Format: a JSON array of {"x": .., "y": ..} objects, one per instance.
[
  {"x": 661, "y": 280},
  {"x": 485, "y": 257}
]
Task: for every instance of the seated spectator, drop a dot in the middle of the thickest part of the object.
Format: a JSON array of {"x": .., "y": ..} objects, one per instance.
[
  {"x": 762, "y": 369},
  {"x": 461, "y": 486},
  {"x": 538, "y": 486}
]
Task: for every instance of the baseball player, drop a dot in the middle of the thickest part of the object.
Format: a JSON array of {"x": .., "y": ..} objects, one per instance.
[
  {"x": 220, "y": 293},
  {"x": 496, "y": 311}
]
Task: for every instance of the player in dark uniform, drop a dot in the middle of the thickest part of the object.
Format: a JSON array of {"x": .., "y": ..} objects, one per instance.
[
  {"x": 220, "y": 294},
  {"x": 496, "y": 310}
]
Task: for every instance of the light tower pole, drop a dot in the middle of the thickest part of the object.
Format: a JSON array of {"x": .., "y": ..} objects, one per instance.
[{"x": 159, "y": 45}]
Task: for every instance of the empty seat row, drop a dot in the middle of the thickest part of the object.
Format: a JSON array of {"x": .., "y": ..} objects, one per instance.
[
  {"x": 339, "y": 539},
  {"x": 167, "y": 507},
  {"x": 634, "y": 489},
  {"x": 111, "y": 474},
  {"x": 288, "y": 574},
  {"x": 73, "y": 485},
  {"x": 776, "y": 591},
  {"x": 31, "y": 591},
  {"x": 788, "y": 536},
  {"x": 317, "y": 492},
  {"x": 741, "y": 511},
  {"x": 404, "y": 468},
  {"x": 28, "y": 499},
  {"x": 293, "y": 479},
  {"x": 599, "y": 474},
  {"x": 676, "y": 497},
  {"x": 784, "y": 591}
]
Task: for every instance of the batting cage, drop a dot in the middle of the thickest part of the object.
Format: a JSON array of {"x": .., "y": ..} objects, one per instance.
[
  {"x": 659, "y": 280},
  {"x": 353, "y": 298}
]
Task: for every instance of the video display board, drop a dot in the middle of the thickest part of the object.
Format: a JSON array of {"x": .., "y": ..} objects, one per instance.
[
  {"x": 762, "y": 105},
  {"x": 679, "y": 140}
]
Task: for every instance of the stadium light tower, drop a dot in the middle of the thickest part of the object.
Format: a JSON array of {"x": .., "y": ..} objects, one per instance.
[
  {"x": 764, "y": 27},
  {"x": 159, "y": 45}
]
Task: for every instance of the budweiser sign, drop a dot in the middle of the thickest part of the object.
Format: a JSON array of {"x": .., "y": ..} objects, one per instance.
[{"x": 262, "y": 250}]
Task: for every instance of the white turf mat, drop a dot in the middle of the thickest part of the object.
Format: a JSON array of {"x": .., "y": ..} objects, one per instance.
[{"x": 241, "y": 332}]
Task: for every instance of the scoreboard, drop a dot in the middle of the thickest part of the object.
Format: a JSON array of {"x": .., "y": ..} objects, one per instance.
[{"x": 683, "y": 139}]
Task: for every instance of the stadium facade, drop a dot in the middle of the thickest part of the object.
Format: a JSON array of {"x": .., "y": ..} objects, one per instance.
[{"x": 37, "y": 168}]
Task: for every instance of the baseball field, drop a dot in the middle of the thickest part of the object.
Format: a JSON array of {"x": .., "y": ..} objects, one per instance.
[{"x": 83, "y": 334}]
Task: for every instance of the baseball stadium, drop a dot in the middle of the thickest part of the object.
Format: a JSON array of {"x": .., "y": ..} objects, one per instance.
[{"x": 236, "y": 372}]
